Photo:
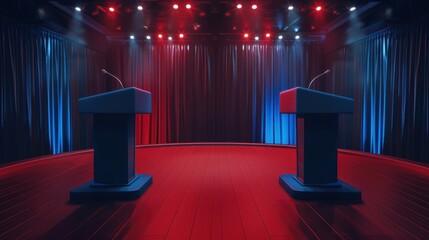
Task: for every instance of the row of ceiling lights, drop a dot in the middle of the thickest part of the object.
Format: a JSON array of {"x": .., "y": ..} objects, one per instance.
[
  {"x": 181, "y": 36},
  {"x": 239, "y": 6}
]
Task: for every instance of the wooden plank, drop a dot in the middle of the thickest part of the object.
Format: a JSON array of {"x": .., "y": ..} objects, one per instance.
[
  {"x": 181, "y": 226},
  {"x": 253, "y": 225},
  {"x": 162, "y": 220},
  {"x": 149, "y": 204},
  {"x": 202, "y": 224},
  {"x": 232, "y": 225}
]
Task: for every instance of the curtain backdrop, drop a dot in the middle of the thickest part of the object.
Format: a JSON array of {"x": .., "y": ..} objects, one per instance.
[
  {"x": 216, "y": 91},
  {"x": 42, "y": 75},
  {"x": 387, "y": 74}
]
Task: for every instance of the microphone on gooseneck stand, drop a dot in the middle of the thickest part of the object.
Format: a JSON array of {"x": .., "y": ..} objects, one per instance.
[
  {"x": 106, "y": 72},
  {"x": 325, "y": 72}
]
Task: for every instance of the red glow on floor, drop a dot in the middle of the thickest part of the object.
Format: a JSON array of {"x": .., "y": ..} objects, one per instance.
[{"x": 214, "y": 191}]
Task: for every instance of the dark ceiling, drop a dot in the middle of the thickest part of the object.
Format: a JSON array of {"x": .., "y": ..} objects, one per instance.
[{"x": 214, "y": 17}]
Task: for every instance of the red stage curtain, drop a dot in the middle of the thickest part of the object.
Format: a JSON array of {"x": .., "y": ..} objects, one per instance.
[{"x": 216, "y": 91}]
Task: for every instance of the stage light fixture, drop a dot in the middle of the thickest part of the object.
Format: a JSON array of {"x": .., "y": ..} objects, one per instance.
[
  {"x": 267, "y": 35},
  {"x": 318, "y": 8},
  {"x": 170, "y": 38},
  {"x": 78, "y": 9},
  {"x": 280, "y": 37},
  {"x": 132, "y": 37},
  {"x": 175, "y": 6},
  {"x": 296, "y": 29},
  {"x": 160, "y": 36},
  {"x": 239, "y": 6},
  {"x": 256, "y": 38},
  {"x": 111, "y": 9},
  {"x": 297, "y": 37},
  {"x": 246, "y": 35},
  {"x": 352, "y": 9},
  {"x": 254, "y": 6},
  {"x": 140, "y": 7},
  {"x": 181, "y": 35},
  {"x": 290, "y": 8},
  {"x": 148, "y": 37},
  {"x": 188, "y": 6}
]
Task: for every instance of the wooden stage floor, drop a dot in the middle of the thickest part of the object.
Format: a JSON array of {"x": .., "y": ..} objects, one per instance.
[{"x": 214, "y": 191}]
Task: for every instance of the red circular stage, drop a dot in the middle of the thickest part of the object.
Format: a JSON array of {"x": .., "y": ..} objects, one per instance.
[{"x": 214, "y": 191}]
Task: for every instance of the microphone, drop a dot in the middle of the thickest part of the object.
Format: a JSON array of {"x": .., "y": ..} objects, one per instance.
[
  {"x": 106, "y": 72},
  {"x": 325, "y": 72}
]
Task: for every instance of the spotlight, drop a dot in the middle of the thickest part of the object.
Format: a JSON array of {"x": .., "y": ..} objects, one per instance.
[
  {"x": 78, "y": 9},
  {"x": 352, "y": 9},
  {"x": 246, "y": 35},
  {"x": 170, "y": 38},
  {"x": 175, "y": 6},
  {"x": 148, "y": 37},
  {"x": 188, "y": 6},
  {"x": 267, "y": 35},
  {"x": 297, "y": 37},
  {"x": 140, "y": 7},
  {"x": 318, "y": 8},
  {"x": 290, "y": 8},
  {"x": 254, "y": 6},
  {"x": 239, "y": 6},
  {"x": 256, "y": 38},
  {"x": 280, "y": 37},
  {"x": 132, "y": 37},
  {"x": 111, "y": 9},
  {"x": 296, "y": 29},
  {"x": 160, "y": 36},
  {"x": 181, "y": 35}
]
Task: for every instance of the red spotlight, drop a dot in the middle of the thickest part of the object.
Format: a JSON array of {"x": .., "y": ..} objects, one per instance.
[
  {"x": 239, "y": 6},
  {"x": 175, "y": 6},
  {"x": 318, "y": 8},
  {"x": 267, "y": 35},
  {"x": 246, "y": 35},
  {"x": 181, "y": 35},
  {"x": 188, "y": 6},
  {"x": 160, "y": 36},
  {"x": 111, "y": 9},
  {"x": 254, "y": 6}
]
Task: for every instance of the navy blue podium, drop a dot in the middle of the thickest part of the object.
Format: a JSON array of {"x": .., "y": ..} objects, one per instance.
[
  {"x": 316, "y": 146},
  {"x": 114, "y": 145}
]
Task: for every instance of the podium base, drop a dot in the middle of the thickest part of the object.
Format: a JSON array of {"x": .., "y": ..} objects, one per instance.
[
  {"x": 344, "y": 191},
  {"x": 89, "y": 191}
]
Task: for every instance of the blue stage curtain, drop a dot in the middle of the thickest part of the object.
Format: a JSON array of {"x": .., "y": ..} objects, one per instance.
[
  {"x": 387, "y": 74},
  {"x": 42, "y": 76},
  {"x": 216, "y": 91}
]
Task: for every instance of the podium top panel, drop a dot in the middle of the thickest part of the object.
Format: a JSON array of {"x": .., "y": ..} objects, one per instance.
[
  {"x": 306, "y": 101},
  {"x": 128, "y": 100}
]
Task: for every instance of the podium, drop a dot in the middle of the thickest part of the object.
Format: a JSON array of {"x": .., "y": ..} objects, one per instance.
[
  {"x": 316, "y": 146},
  {"x": 114, "y": 145}
]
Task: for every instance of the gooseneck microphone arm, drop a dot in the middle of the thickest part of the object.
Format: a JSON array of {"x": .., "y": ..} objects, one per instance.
[
  {"x": 325, "y": 72},
  {"x": 106, "y": 72}
]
